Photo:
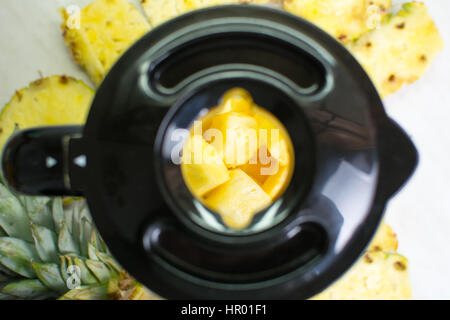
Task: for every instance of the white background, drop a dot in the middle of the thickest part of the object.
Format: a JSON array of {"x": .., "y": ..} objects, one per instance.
[{"x": 31, "y": 42}]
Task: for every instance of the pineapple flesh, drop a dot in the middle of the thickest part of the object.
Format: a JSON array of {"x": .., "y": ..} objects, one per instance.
[
  {"x": 160, "y": 11},
  {"x": 343, "y": 19},
  {"x": 400, "y": 50},
  {"x": 205, "y": 173},
  {"x": 385, "y": 240},
  {"x": 238, "y": 200},
  {"x": 56, "y": 100},
  {"x": 245, "y": 162},
  {"x": 377, "y": 275},
  {"x": 107, "y": 28},
  {"x": 239, "y": 133}
]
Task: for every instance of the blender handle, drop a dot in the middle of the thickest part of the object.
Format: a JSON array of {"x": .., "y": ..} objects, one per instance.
[
  {"x": 398, "y": 158},
  {"x": 37, "y": 161}
]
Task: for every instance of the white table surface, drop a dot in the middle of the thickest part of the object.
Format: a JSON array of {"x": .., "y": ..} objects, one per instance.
[{"x": 31, "y": 42}]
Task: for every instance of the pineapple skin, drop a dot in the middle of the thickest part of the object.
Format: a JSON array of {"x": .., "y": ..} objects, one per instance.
[
  {"x": 56, "y": 100},
  {"x": 107, "y": 29},
  {"x": 343, "y": 19},
  {"x": 401, "y": 50}
]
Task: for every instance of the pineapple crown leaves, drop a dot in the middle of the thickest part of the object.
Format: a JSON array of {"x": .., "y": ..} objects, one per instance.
[{"x": 47, "y": 248}]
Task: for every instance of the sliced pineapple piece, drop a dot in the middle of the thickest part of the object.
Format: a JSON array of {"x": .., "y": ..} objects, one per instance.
[
  {"x": 343, "y": 19},
  {"x": 159, "y": 11},
  {"x": 231, "y": 129},
  {"x": 401, "y": 50},
  {"x": 276, "y": 183},
  {"x": 238, "y": 200},
  {"x": 272, "y": 134},
  {"x": 377, "y": 275},
  {"x": 259, "y": 168},
  {"x": 237, "y": 100},
  {"x": 202, "y": 168},
  {"x": 234, "y": 100},
  {"x": 56, "y": 100},
  {"x": 239, "y": 136},
  {"x": 107, "y": 28},
  {"x": 385, "y": 240}
]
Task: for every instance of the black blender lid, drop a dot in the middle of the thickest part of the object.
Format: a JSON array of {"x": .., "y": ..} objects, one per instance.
[{"x": 349, "y": 156}]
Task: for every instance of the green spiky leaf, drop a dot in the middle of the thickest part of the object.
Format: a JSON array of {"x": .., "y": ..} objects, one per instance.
[
  {"x": 7, "y": 297},
  {"x": 58, "y": 214},
  {"x": 99, "y": 270},
  {"x": 13, "y": 218},
  {"x": 14, "y": 247},
  {"x": 38, "y": 210},
  {"x": 19, "y": 265},
  {"x": 86, "y": 275},
  {"x": 45, "y": 243},
  {"x": 27, "y": 289},
  {"x": 87, "y": 293},
  {"x": 66, "y": 243},
  {"x": 49, "y": 274}
]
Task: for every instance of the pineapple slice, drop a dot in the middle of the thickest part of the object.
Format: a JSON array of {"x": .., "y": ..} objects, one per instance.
[
  {"x": 385, "y": 240},
  {"x": 56, "y": 100},
  {"x": 238, "y": 200},
  {"x": 343, "y": 19},
  {"x": 202, "y": 168},
  {"x": 377, "y": 275},
  {"x": 239, "y": 137},
  {"x": 107, "y": 29},
  {"x": 401, "y": 50},
  {"x": 159, "y": 11}
]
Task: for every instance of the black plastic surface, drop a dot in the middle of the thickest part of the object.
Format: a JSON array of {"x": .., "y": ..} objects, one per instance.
[{"x": 35, "y": 161}]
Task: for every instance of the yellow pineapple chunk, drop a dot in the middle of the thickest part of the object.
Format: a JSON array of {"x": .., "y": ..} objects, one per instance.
[
  {"x": 159, "y": 11},
  {"x": 231, "y": 129},
  {"x": 203, "y": 169},
  {"x": 400, "y": 50},
  {"x": 260, "y": 168},
  {"x": 376, "y": 276},
  {"x": 343, "y": 19},
  {"x": 272, "y": 134},
  {"x": 239, "y": 136},
  {"x": 107, "y": 28},
  {"x": 276, "y": 183},
  {"x": 57, "y": 100},
  {"x": 385, "y": 240},
  {"x": 238, "y": 200},
  {"x": 236, "y": 100}
]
